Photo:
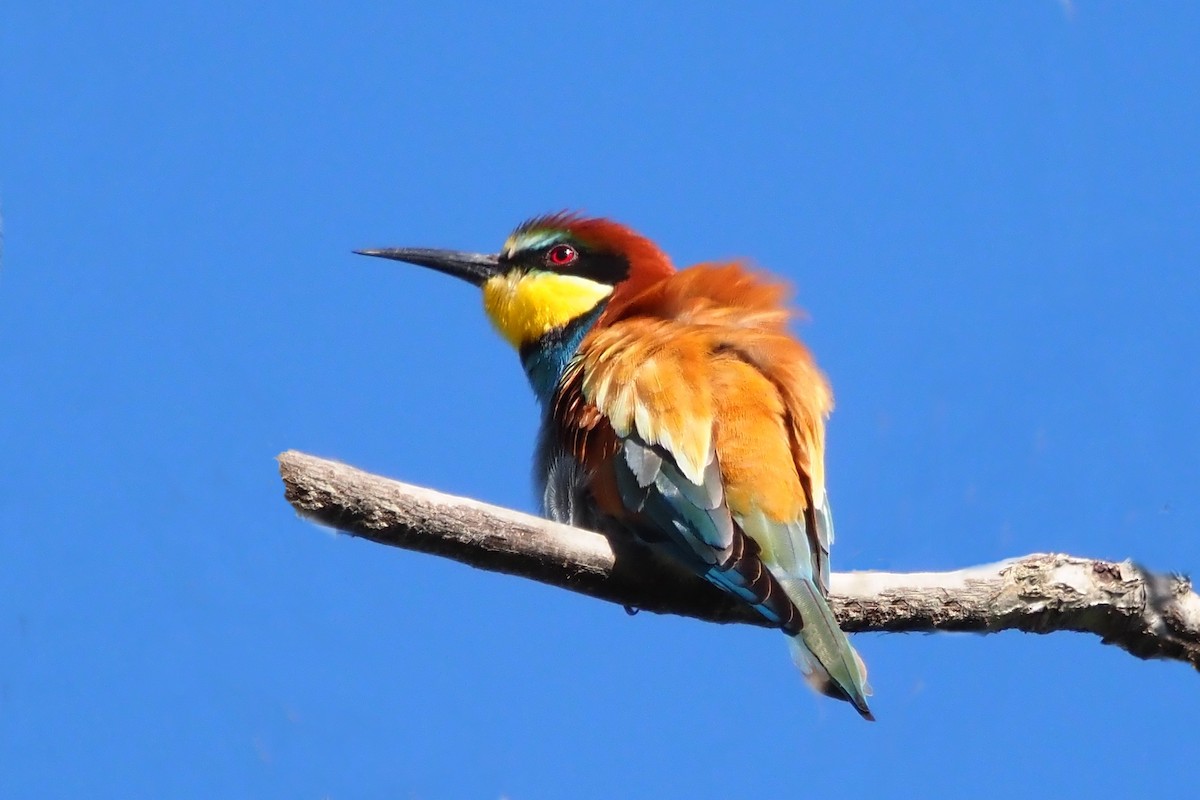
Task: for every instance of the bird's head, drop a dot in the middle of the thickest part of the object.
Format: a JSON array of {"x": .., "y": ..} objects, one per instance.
[{"x": 552, "y": 271}]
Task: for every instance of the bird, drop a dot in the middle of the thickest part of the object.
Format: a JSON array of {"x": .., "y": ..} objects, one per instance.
[{"x": 676, "y": 408}]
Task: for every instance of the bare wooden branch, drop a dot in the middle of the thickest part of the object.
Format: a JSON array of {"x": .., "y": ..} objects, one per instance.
[{"x": 1149, "y": 615}]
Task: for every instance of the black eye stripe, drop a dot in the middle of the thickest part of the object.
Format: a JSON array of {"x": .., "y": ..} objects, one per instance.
[
  {"x": 597, "y": 266},
  {"x": 603, "y": 267}
]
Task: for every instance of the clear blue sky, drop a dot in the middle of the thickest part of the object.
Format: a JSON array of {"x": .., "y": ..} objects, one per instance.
[{"x": 990, "y": 213}]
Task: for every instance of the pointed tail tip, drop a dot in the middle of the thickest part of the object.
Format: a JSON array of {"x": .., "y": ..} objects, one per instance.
[
  {"x": 855, "y": 698},
  {"x": 828, "y": 661},
  {"x": 854, "y": 695}
]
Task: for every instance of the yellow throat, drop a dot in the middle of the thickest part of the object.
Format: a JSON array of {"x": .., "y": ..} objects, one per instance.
[{"x": 525, "y": 306}]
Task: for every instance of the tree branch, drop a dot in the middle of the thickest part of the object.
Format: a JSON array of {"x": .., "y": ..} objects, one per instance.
[{"x": 1149, "y": 615}]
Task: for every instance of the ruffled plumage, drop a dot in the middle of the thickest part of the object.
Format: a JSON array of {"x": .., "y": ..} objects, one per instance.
[{"x": 698, "y": 421}]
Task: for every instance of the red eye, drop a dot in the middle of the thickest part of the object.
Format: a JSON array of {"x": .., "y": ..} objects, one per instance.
[{"x": 561, "y": 255}]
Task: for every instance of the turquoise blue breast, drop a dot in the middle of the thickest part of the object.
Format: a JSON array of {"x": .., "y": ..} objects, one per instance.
[{"x": 546, "y": 359}]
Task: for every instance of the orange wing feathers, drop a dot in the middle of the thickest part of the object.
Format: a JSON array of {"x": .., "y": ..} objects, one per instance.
[{"x": 702, "y": 361}]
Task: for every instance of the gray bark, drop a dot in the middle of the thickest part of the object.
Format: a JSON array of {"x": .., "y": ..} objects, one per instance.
[{"x": 1149, "y": 615}]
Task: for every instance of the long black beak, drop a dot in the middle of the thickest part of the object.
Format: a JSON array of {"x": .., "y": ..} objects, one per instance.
[{"x": 471, "y": 267}]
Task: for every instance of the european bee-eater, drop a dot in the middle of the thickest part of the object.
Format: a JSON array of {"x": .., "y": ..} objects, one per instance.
[{"x": 676, "y": 407}]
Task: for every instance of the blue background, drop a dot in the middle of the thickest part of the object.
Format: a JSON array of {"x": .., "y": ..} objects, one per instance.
[{"x": 990, "y": 212}]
